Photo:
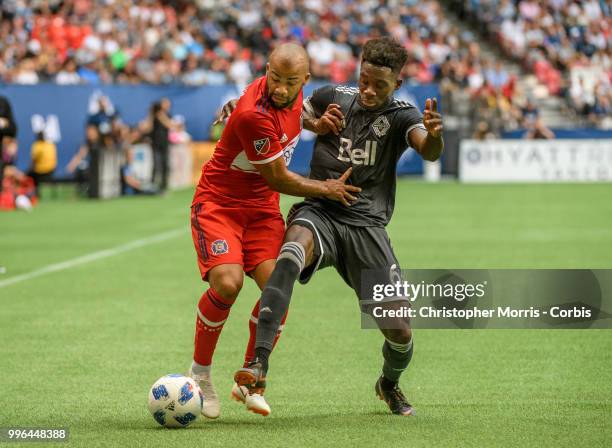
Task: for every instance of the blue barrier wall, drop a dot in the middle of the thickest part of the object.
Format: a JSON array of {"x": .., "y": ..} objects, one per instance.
[{"x": 69, "y": 106}]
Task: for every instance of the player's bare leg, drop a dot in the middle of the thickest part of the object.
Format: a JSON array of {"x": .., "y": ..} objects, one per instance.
[
  {"x": 397, "y": 353},
  {"x": 296, "y": 252},
  {"x": 213, "y": 309}
]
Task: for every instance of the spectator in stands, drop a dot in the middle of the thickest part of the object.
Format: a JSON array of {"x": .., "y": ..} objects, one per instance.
[
  {"x": 530, "y": 112},
  {"x": 193, "y": 74},
  {"x": 44, "y": 160},
  {"x": 68, "y": 74},
  {"x": 537, "y": 130},
  {"x": 8, "y": 133},
  {"x": 321, "y": 51},
  {"x": 178, "y": 133},
  {"x": 497, "y": 76},
  {"x": 25, "y": 73},
  {"x": 602, "y": 109},
  {"x": 483, "y": 132}
]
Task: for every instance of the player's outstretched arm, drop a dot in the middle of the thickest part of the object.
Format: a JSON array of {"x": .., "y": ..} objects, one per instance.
[
  {"x": 282, "y": 180},
  {"x": 429, "y": 143}
]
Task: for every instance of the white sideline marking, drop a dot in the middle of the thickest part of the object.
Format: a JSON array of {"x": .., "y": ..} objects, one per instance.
[{"x": 94, "y": 256}]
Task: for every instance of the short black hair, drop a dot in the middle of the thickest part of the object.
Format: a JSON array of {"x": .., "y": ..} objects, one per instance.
[{"x": 385, "y": 52}]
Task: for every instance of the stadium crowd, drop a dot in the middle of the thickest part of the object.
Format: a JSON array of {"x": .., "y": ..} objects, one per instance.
[
  {"x": 567, "y": 44},
  {"x": 219, "y": 41}
]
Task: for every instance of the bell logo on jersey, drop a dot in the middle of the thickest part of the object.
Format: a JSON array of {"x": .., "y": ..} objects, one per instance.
[
  {"x": 262, "y": 146},
  {"x": 357, "y": 156}
]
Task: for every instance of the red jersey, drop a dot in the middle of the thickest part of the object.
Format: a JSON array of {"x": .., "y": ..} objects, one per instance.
[{"x": 256, "y": 133}]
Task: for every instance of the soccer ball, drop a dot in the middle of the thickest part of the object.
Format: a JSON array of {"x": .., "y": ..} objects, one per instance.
[{"x": 175, "y": 401}]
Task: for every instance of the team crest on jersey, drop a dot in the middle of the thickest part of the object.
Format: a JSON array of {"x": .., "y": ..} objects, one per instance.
[
  {"x": 381, "y": 126},
  {"x": 262, "y": 146},
  {"x": 219, "y": 247}
]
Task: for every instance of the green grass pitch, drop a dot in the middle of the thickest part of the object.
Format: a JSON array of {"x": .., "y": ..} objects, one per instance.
[{"x": 80, "y": 347}]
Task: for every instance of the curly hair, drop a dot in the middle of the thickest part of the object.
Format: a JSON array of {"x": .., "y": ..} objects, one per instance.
[{"x": 385, "y": 52}]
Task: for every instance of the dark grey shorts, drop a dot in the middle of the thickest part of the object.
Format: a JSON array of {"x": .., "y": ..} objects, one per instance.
[{"x": 350, "y": 249}]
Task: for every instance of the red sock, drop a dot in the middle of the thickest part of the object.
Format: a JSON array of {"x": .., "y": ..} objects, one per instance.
[
  {"x": 249, "y": 355},
  {"x": 212, "y": 314}
]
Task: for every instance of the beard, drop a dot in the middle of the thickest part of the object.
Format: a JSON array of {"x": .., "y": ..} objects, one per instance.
[{"x": 285, "y": 104}]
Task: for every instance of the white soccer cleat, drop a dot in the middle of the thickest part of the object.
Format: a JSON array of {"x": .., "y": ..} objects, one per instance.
[
  {"x": 211, "y": 407},
  {"x": 254, "y": 402},
  {"x": 257, "y": 403},
  {"x": 239, "y": 393},
  {"x": 251, "y": 384}
]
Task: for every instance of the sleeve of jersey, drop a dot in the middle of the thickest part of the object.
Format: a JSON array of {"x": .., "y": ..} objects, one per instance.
[
  {"x": 316, "y": 104},
  {"x": 258, "y": 138},
  {"x": 411, "y": 119}
]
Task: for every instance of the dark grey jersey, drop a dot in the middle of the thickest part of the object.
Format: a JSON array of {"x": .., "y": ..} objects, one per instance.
[{"x": 371, "y": 142}]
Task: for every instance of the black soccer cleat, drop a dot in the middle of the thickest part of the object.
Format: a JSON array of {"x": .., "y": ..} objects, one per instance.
[{"x": 394, "y": 397}]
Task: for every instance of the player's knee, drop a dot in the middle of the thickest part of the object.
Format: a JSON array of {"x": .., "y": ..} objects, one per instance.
[
  {"x": 227, "y": 283},
  {"x": 304, "y": 237},
  {"x": 229, "y": 288},
  {"x": 402, "y": 335}
]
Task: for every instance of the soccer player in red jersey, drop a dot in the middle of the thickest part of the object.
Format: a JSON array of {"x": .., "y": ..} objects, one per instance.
[{"x": 236, "y": 222}]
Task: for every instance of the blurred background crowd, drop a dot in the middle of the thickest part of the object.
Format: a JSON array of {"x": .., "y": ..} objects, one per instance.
[{"x": 533, "y": 49}]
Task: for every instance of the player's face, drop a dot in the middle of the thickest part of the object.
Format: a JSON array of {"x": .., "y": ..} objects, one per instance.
[
  {"x": 285, "y": 83},
  {"x": 376, "y": 85}
]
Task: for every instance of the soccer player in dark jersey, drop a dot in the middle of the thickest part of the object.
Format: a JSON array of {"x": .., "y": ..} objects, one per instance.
[{"x": 369, "y": 134}]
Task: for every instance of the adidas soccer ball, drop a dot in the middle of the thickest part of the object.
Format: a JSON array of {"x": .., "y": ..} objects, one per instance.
[{"x": 175, "y": 401}]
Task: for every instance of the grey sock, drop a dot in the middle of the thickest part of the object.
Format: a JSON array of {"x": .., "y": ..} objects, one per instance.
[{"x": 275, "y": 301}]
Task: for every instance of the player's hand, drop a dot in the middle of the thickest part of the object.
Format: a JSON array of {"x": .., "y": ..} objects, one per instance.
[
  {"x": 339, "y": 191},
  {"x": 332, "y": 120},
  {"x": 225, "y": 112},
  {"x": 432, "y": 119}
]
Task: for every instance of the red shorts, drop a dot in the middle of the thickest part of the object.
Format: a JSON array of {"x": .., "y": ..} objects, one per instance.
[{"x": 235, "y": 235}]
